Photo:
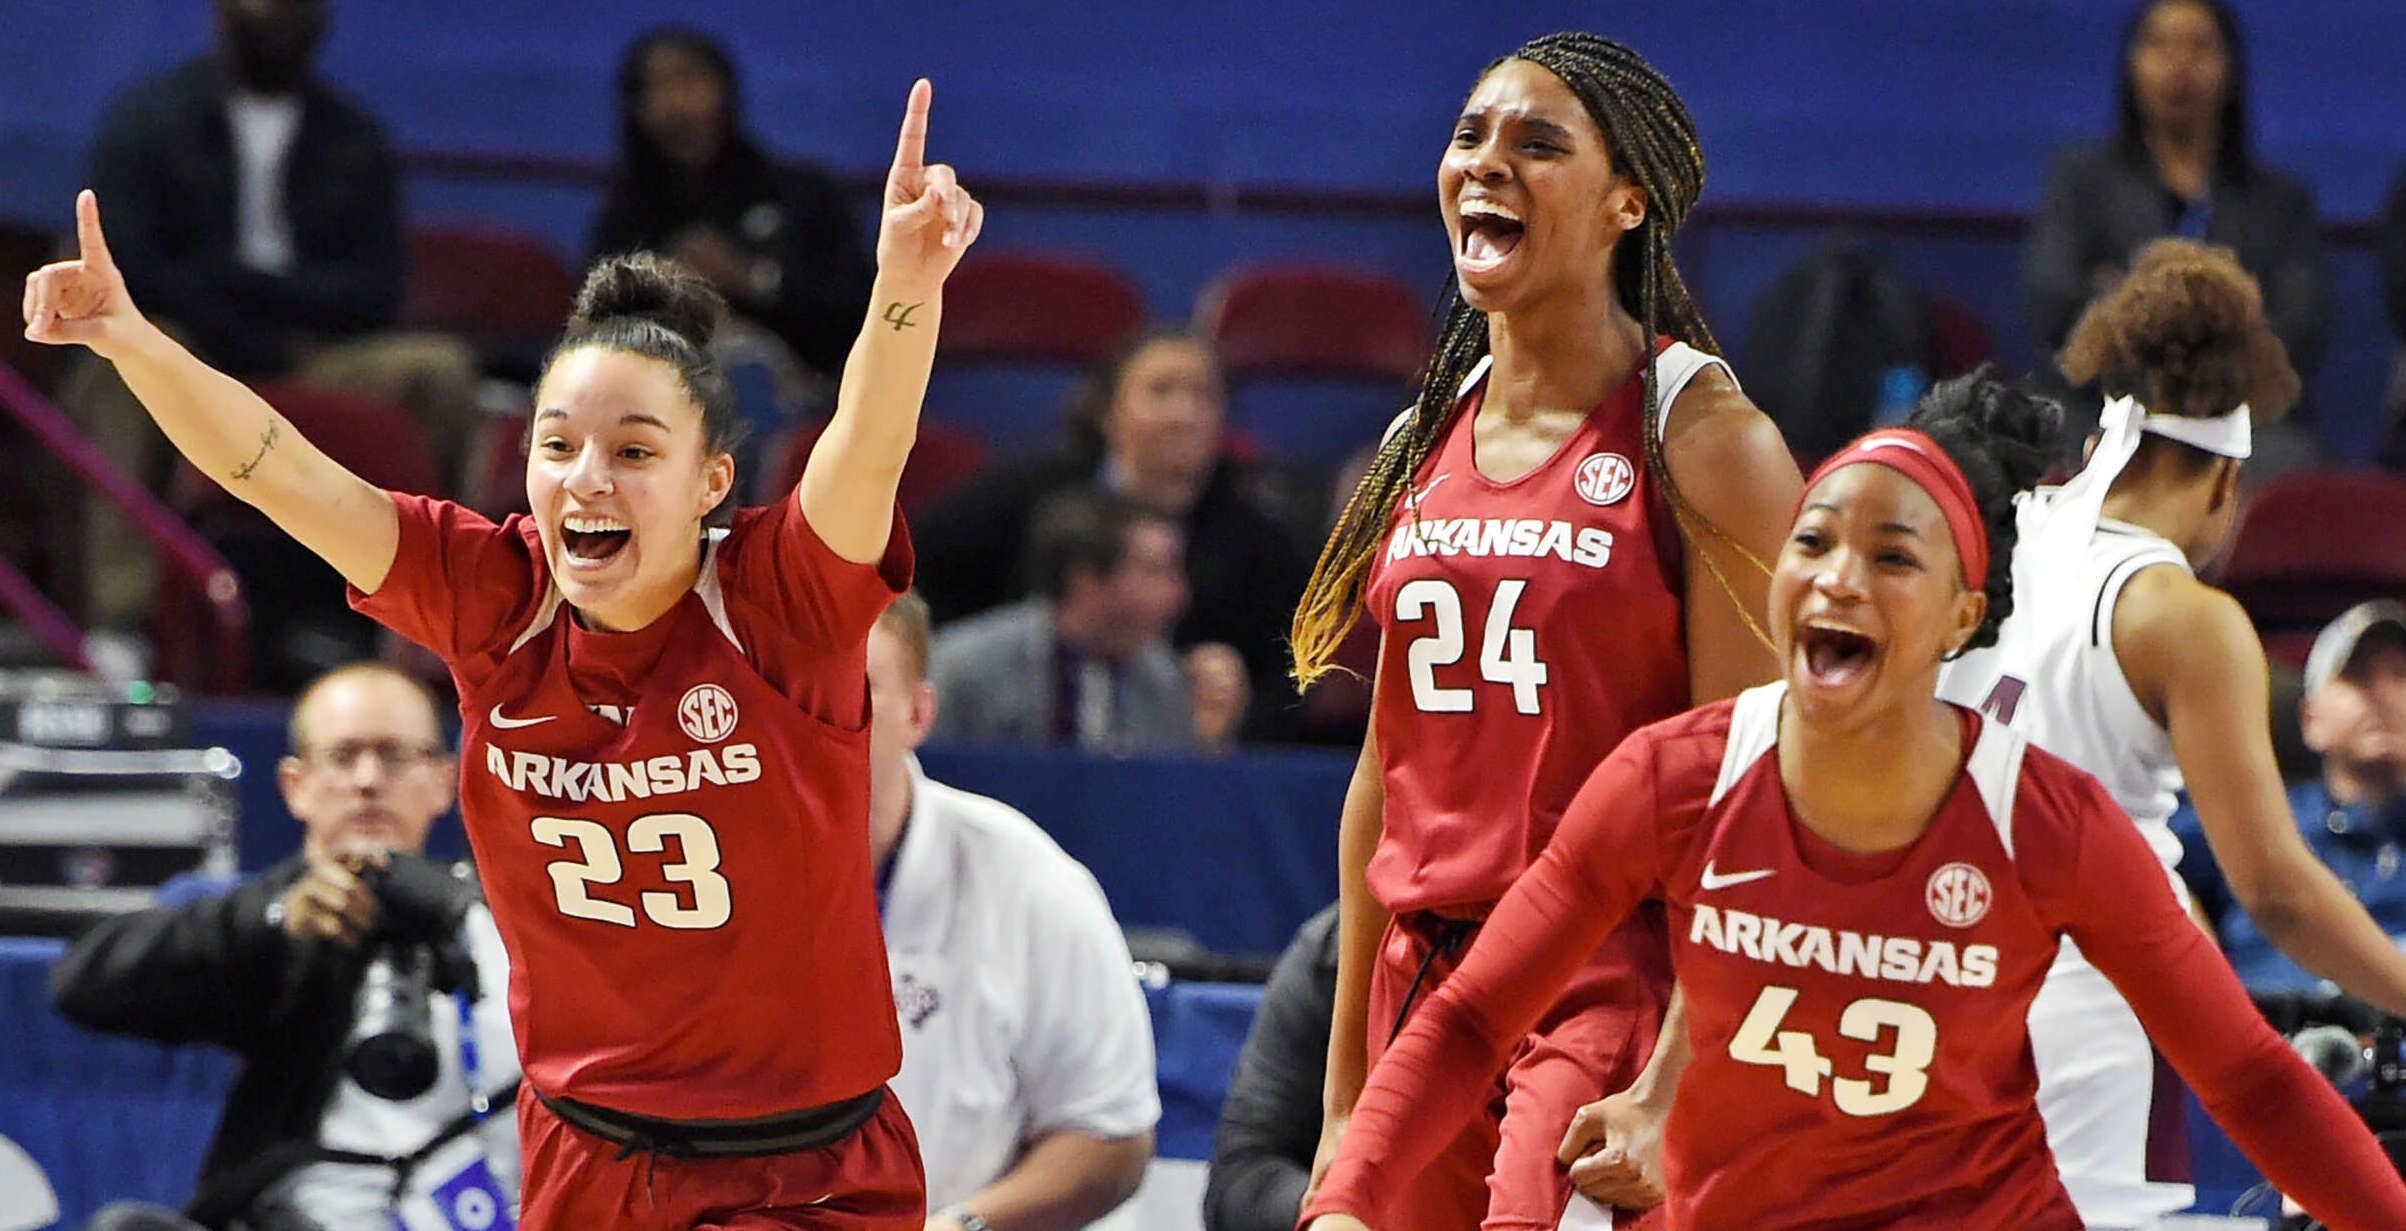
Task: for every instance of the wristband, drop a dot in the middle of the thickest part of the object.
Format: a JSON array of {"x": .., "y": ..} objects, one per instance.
[{"x": 968, "y": 1221}]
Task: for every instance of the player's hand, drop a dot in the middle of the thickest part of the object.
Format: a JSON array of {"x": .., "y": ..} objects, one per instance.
[
  {"x": 1338, "y": 1222},
  {"x": 83, "y": 300},
  {"x": 929, "y": 219},
  {"x": 330, "y": 901},
  {"x": 1614, "y": 1151}
]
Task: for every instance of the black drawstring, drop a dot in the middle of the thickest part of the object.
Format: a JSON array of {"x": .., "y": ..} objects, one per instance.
[
  {"x": 1450, "y": 935},
  {"x": 652, "y": 1148}
]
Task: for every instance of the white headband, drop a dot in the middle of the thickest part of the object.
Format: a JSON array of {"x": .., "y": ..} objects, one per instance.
[
  {"x": 2226, "y": 435},
  {"x": 2072, "y": 515}
]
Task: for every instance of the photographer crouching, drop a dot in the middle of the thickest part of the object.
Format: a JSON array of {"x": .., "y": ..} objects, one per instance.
[{"x": 342, "y": 977}]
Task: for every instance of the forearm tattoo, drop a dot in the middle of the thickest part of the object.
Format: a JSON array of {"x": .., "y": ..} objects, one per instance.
[
  {"x": 267, "y": 442},
  {"x": 898, "y": 314}
]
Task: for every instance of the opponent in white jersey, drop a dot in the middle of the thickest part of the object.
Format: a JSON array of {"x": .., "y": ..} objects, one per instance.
[{"x": 2117, "y": 659}]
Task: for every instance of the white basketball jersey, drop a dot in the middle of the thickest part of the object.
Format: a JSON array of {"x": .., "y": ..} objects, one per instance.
[{"x": 2053, "y": 675}]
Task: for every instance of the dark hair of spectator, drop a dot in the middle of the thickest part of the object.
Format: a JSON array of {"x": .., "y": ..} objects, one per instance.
[
  {"x": 1652, "y": 139},
  {"x": 645, "y": 304},
  {"x": 661, "y": 192},
  {"x": 1082, "y": 529},
  {"x": 1090, "y": 403},
  {"x": 2232, "y": 155},
  {"x": 2003, "y": 438},
  {"x": 2183, "y": 332}
]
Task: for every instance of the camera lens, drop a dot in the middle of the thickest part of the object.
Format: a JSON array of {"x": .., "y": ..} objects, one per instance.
[{"x": 392, "y": 1053}]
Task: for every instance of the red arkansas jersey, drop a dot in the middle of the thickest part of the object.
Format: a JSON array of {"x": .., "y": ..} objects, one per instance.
[
  {"x": 1858, "y": 1022},
  {"x": 1528, "y": 627},
  {"x": 671, "y": 824}
]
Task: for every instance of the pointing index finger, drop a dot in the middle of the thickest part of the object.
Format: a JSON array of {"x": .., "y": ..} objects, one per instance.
[
  {"x": 95, "y": 247},
  {"x": 910, "y": 151}
]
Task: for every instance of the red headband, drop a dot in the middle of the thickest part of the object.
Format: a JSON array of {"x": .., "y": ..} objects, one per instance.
[{"x": 1917, "y": 457}]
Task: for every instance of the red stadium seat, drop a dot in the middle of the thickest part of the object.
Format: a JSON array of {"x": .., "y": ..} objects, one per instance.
[
  {"x": 2310, "y": 546},
  {"x": 1959, "y": 339},
  {"x": 495, "y": 286},
  {"x": 943, "y": 459},
  {"x": 1024, "y": 307},
  {"x": 1315, "y": 322}
]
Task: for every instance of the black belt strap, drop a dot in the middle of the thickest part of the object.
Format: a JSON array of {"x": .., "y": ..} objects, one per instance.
[{"x": 790, "y": 1132}]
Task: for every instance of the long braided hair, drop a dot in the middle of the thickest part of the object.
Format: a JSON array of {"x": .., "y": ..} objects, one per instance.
[{"x": 1652, "y": 139}]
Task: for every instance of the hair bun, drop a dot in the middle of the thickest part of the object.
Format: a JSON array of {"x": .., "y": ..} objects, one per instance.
[
  {"x": 2020, "y": 431},
  {"x": 648, "y": 286}
]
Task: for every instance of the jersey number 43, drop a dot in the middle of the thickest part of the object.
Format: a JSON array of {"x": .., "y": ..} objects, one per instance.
[
  {"x": 1905, "y": 1064},
  {"x": 598, "y": 864},
  {"x": 1507, "y": 655}
]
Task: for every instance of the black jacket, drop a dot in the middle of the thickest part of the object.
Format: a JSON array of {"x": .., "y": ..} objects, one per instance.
[
  {"x": 1261, "y": 1157},
  {"x": 792, "y": 216},
  {"x": 2104, "y": 201},
  {"x": 164, "y": 167},
  {"x": 214, "y": 971},
  {"x": 1244, "y": 567}
]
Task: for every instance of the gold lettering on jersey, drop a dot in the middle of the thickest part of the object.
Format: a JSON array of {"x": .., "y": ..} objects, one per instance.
[
  {"x": 1512, "y": 537},
  {"x": 613, "y": 782},
  {"x": 1897, "y": 959}
]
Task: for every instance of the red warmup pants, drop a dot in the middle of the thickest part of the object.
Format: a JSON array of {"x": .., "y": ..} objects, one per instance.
[
  {"x": 574, "y": 1181},
  {"x": 1501, "y": 1174}
]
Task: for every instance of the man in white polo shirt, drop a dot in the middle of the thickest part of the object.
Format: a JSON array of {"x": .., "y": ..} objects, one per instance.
[{"x": 1027, "y": 1053}]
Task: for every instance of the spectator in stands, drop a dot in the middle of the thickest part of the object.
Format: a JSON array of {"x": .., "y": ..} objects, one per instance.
[
  {"x": 2389, "y": 248},
  {"x": 2354, "y": 814},
  {"x": 1027, "y": 1052},
  {"x": 776, "y": 239},
  {"x": 1147, "y": 424},
  {"x": 2178, "y": 163},
  {"x": 1087, "y": 660},
  {"x": 257, "y": 210},
  {"x": 274, "y": 970},
  {"x": 1261, "y": 1157}
]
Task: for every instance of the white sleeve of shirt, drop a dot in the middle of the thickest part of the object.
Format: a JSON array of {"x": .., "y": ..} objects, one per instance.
[{"x": 1085, "y": 1059}]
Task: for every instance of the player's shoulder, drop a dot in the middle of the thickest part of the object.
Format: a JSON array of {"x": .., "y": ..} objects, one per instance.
[
  {"x": 1686, "y": 750},
  {"x": 2166, "y": 622},
  {"x": 2164, "y": 600}
]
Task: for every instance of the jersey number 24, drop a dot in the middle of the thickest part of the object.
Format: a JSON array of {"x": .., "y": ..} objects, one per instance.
[{"x": 1507, "y": 655}]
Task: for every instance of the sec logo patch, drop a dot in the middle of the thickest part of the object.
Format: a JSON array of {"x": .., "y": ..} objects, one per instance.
[
  {"x": 1958, "y": 895},
  {"x": 1604, "y": 478},
  {"x": 707, "y": 713}
]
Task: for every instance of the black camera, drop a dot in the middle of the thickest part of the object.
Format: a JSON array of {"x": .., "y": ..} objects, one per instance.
[{"x": 413, "y": 952}]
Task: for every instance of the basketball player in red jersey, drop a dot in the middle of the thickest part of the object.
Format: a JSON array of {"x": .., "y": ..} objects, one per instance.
[
  {"x": 665, "y": 744},
  {"x": 1866, "y": 887},
  {"x": 1560, "y": 542}
]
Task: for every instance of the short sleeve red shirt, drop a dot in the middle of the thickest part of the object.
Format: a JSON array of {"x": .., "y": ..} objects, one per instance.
[{"x": 671, "y": 824}]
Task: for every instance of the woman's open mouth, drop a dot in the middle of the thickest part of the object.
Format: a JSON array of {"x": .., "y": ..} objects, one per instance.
[
  {"x": 1836, "y": 657},
  {"x": 590, "y": 541},
  {"x": 1490, "y": 234}
]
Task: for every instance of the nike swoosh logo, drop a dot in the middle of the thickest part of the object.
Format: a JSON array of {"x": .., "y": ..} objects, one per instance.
[
  {"x": 1423, "y": 493},
  {"x": 1715, "y": 880},
  {"x": 506, "y": 722}
]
